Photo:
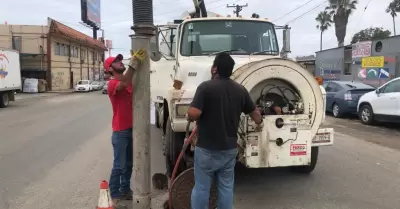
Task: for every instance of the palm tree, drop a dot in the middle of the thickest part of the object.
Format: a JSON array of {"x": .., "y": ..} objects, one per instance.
[
  {"x": 392, "y": 10},
  {"x": 341, "y": 10},
  {"x": 324, "y": 22}
]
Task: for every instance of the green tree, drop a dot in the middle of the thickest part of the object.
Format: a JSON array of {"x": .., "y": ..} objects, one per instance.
[
  {"x": 392, "y": 10},
  {"x": 324, "y": 20},
  {"x": 370, "y": 34},
  {"x": 341, "y": 11}
]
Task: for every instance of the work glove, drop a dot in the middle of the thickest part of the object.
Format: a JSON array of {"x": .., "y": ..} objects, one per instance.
[{"x": 137, "y": 58}]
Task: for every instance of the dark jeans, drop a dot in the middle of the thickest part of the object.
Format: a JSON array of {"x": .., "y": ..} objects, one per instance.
[
  {"x": 120, "y": 179},
  {"x": 213, "y": 164}
]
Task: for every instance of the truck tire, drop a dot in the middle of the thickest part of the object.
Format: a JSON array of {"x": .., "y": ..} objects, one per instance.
[
  {"x": 307, "y": 169},
  {"x": 173, "y": 146},
  {"x": 4, "y": 100}
]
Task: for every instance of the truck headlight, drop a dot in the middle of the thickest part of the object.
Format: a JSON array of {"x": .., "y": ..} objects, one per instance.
[{"x": 181, "y": 110}]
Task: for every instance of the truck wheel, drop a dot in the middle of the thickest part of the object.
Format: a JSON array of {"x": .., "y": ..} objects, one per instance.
[
  {"x": 173, "y": 146},
  {"x": 307, "y": 169},
  {"x": 4, "y": 100}
]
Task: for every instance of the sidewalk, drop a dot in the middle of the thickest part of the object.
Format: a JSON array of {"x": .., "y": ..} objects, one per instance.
[{"x": 24, "y": 96}]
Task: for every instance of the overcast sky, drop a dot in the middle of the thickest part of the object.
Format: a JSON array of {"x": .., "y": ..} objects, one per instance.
[{"x": 117, "y": 17}]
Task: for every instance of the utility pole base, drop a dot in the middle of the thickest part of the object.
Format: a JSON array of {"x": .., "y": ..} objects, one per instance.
[{"x": 141, "y": 201}]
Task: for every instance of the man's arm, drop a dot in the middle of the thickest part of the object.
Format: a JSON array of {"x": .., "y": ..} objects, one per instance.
[
  {"x": 251, "y": 109},
  {"x": 133, "y": 65},
  {"x": 197, "y": 105},
  {"x": 126, "y": 78}
]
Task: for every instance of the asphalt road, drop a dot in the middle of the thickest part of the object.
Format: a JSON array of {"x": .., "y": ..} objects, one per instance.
[{"x": 54, "y": 152}]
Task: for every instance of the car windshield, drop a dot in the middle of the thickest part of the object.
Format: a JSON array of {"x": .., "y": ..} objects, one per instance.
[
  {"x": 83, "y": 82},
  {"x": 233, "y": 36}
]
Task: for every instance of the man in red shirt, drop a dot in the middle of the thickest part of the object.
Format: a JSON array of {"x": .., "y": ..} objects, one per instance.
[{"x": 120, "y": 92}]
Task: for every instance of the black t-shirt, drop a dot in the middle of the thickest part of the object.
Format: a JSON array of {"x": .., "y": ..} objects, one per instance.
[{"x": 221, "y": 101}]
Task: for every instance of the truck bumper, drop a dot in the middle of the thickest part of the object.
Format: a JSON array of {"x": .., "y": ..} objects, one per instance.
[{"x": 287, "y": 146}]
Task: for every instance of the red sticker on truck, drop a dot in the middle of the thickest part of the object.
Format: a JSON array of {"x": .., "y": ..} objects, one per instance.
[{"x": 298, "y": 149}]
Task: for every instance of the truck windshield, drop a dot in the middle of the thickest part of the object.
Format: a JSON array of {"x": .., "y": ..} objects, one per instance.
[{"x": 236, "y": 36}]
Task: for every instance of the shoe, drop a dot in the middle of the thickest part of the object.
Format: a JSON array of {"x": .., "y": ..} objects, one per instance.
[
  {"x": 127, "y": 195},
  {"x": 118, "y": 204}
]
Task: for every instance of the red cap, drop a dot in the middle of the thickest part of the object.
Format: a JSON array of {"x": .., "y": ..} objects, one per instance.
[{"x": 110, "y": 60}]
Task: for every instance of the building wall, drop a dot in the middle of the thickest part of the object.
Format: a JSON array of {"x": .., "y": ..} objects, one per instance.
[
  {"x": 371, "y": 75},
  {"x": 71, "y": 62},
  {"x": 329, "y": 64},
  {"x": 30, "y": 41}
]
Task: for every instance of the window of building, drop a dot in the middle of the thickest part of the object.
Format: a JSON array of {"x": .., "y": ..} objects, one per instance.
[
  {"x": 72, "y": 48},
  {"x": 66, "y": 50},
  {"x": 62, "y": 50},
  {"x": 83, "y": 54},
  {"x": 94, "y": 55},
  {"x": 74, "y": 51},
  {"x": 347, "y": 69},
  {"x": 57, "y": 48},
  {"x": 16, "y": 43}
]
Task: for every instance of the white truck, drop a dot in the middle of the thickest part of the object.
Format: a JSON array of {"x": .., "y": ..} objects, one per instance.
[
  {"x": 10, "y": 76},
  {"x": 288, "y": 140}
]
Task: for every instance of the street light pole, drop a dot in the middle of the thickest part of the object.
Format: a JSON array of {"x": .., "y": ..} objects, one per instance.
[{"x": 144, "y": 29}]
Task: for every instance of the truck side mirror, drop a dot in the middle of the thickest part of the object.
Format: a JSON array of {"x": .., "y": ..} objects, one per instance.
[
  {"x": 286, "y": 39},
  {"x": 155, "y": 54}
]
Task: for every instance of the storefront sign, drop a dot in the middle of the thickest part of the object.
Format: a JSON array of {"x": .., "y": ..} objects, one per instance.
[
  {"x": 373, "y": 62},
  {"x": 361, "y": 49}
]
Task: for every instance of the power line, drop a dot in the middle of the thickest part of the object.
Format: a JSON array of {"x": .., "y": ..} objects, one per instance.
[
  {"x": 298, "y": 17},
  {"x": 238, "y": 8},
  {"x": 365, "y": 8},
  {"x": 292, "y": 10}
]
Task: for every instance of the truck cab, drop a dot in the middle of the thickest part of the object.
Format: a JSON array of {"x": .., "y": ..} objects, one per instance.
[{"x": 188, "y": 50}]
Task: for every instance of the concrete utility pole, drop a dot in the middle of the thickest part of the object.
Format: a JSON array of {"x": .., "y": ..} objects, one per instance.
[
  {"x": 144, "y": 29},
  {"x": 238, "y": 8}
]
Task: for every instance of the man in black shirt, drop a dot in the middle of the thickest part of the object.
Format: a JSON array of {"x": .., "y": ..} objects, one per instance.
[{"x": 216, "y": 107}]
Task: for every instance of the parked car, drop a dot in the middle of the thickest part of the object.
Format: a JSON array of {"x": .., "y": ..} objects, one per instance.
[
  {"x": 102, "y": 83},
  {"x": 342, "y": 96},
  {"x": 104, "y": 89},
  {"x": 96, "y": 85},
  {"x": 381, "y": 105},
  {"x": 83, "y": 85}
]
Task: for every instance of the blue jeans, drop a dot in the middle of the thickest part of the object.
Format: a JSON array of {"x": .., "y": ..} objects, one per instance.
[
  {"x": 213, "y": 164},
  {"x": 120, "y": 179}
]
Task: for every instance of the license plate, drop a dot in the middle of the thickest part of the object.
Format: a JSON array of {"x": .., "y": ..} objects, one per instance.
[
  {"x": 322, "y": 138},
  {"x": 81, "y": 89}
]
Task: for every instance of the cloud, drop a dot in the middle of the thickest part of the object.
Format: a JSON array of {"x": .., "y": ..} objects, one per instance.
[{"x": 117, "y": 18}]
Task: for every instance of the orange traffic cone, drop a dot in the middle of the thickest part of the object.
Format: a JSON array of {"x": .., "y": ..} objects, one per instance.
[{"x": 104, "y": 197}]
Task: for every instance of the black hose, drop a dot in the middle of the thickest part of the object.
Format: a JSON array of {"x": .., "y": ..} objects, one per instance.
[{"x": 142, "y": 12}]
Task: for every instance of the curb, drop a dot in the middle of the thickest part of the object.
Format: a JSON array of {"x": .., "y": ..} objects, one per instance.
[{"x": 51, "y": 94}]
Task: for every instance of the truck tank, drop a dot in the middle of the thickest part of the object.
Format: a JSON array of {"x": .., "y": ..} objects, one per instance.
[{"x": 288, "y": 79}]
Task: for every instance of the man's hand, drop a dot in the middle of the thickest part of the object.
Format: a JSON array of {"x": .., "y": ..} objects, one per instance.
[{"x": 136, "y": 58}]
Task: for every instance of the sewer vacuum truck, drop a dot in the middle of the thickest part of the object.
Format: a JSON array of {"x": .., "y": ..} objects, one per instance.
[{"x": 182, "y": 55}]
